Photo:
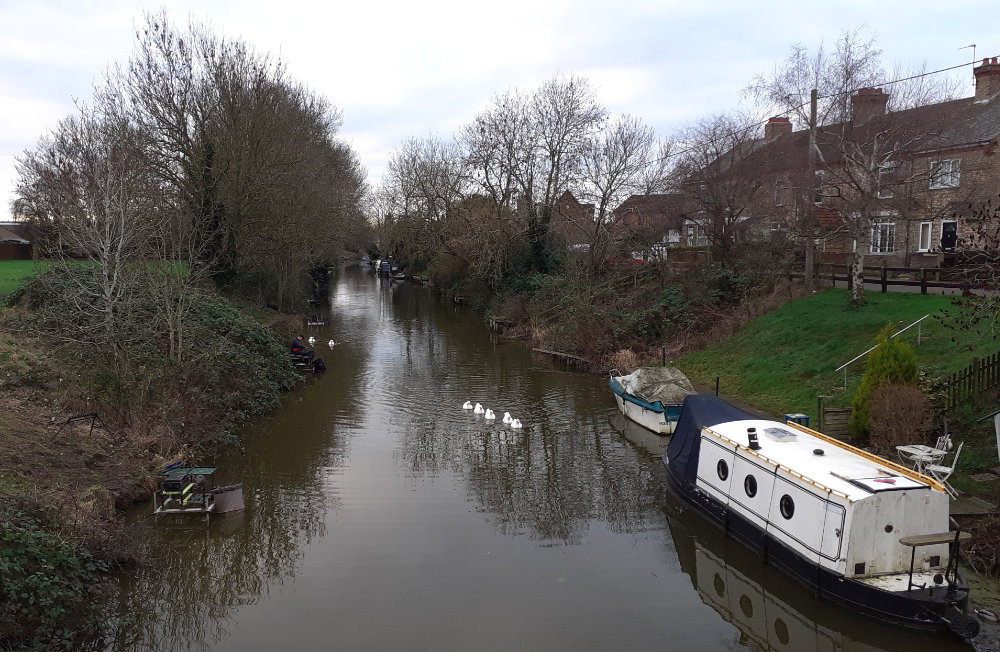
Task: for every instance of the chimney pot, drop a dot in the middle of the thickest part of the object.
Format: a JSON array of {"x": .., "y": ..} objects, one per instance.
[
  {"x": 868, "y": 103},
  {"x": 987, "y": 79},
  {"x": 777, "y": 126}
]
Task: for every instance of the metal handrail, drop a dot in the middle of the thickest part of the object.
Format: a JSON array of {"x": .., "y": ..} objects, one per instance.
[{"x": 856, "y": 358}]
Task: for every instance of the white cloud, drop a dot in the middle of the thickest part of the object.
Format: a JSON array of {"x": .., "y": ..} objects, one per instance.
[{"x": 402, "y": 69}]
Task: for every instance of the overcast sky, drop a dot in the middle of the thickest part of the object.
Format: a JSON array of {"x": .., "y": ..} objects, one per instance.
[{"x": 399, "y": 69}]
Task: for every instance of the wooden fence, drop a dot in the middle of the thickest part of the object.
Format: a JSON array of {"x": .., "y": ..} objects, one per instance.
[
  {"x": 15, "y": 251},
  {"x": 833, "y": 421},
  {"x": 924, "y": 277},
  {"x": 981, "y": 375}
]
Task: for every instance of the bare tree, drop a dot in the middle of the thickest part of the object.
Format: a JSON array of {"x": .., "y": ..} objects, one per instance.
[
  {"x": 656, "y": 174},
  {"x": 854, "y": 62},
  {"x": 526, "y": 150},
  {"x": 427, "y": 177},
  {"x": 722, "y": 172},
  {"x": 617, "y": 162},
  {"x": 565, "y": 113},
  {"x": 500, "y": 149},
  {"x": 88, "y": 186}
]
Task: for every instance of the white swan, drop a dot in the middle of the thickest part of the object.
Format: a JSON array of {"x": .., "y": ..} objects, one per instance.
[
  {"x": 331, "y": 344},
  {"x": 467, "y": 405},
  {"x": 506, "y": 417},
  {"x": 478, "y": 409},
  {"x": 312, "y": 340},
  {"x": 516, "y": 423},
  {"x": 489, "y": 414}
]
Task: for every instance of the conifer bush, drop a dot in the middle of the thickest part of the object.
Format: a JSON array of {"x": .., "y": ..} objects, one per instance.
[{"x": 892, "y": 361}]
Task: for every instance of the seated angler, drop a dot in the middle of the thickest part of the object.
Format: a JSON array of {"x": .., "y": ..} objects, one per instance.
[
  {"x": 298, "y": 346},
  {"x": 298, "y": 349}
]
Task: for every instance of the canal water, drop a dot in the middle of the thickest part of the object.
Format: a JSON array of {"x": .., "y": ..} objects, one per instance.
[{"x": 381, "y": 516}]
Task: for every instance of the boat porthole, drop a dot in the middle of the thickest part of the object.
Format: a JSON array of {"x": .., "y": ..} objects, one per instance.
[
  {"x": 746, "y": 606},
  {"x": 781, "y": 631},
  {"x": 750, "y": 485},
  {"x": 722, "y": 469},
  {"x": 720, "y": 586},
  {"x": 787, "y": 506}
]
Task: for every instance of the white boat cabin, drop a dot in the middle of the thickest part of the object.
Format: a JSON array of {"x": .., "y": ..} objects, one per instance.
[{"x": 832, "y": 503}]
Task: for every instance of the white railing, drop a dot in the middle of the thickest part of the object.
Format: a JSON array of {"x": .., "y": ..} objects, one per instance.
[{"x": 856, "y": 358}]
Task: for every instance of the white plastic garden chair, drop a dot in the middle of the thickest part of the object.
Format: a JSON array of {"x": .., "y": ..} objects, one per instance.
[{"x": 941, "y": 473}]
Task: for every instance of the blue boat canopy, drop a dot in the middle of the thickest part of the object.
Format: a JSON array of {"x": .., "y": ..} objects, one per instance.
[{"x": 698, "y": 411}]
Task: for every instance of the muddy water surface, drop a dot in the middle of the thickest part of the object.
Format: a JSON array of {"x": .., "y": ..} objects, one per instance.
[{"x": 381, "y": 516}]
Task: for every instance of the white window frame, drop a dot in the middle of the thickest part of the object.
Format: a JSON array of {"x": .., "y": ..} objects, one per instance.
[
  {"x": 779, "y": 192},
  {"x": 818, "y": 189},
  {"x": 924, "y": 244},
  {"x": 883, "y": 237},
  {"x": 945, "y": 173},
  {"x": 691, "y": 235}
]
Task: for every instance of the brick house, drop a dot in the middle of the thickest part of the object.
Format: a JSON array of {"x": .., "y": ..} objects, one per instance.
[
  {"x": 652, "y": 223},
  {"x": 574, "y": 222},
  {"x": 924, "y": 196}
]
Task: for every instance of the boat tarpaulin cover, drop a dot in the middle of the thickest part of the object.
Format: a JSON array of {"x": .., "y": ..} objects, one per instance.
[
  {"x": 699, "y": 410},
  {"x": 664, "y": 384}
]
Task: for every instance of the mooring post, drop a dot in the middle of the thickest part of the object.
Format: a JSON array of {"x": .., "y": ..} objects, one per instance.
[
  {"x": 716, "y": 385},
  {"x": 663, "y": 356}
]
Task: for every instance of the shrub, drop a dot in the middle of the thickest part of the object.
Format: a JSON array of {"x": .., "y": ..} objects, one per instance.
[
  {"x": 624, "y": 360},
  {"x": 891, "y": 361},
  {"x": 233, "y": 367},
  {"x": 50, "y": 588},
  {"x": 899, "y": 416},
  {"x": 241, "y": 368}
]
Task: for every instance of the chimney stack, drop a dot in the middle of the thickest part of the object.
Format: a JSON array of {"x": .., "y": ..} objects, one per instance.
[
  {"x": 777, "y": 126},
  {"x": 868, "y": 103},
  {"x": 987, "y": 79}
]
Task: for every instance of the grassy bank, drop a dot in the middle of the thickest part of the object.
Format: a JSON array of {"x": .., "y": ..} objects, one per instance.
[
  {"x": 783, "y": 360},
  {"x": 61, "y": 482}
]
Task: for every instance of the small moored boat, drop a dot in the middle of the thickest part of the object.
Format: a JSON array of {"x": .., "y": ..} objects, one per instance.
[
  {"x": 856, "y": 528},
  {"x": 651, "y": 396}
]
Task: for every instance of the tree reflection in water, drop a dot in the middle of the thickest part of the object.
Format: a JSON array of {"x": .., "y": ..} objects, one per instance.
[
  {"x": 542, "y": 481},
  {"x": 201, "y": 576}
]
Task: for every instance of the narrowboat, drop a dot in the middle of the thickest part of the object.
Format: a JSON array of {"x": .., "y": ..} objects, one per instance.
[
  {"x": 855, "y": 528},
  {"x": 651, "y": 396}
]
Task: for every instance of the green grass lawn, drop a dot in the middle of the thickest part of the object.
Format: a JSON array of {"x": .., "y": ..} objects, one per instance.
[
  {"x": 12, "y": 272},
  {"x": 782, "y": 361}
]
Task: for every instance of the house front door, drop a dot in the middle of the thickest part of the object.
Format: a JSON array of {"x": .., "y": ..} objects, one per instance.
[{"x": 949, "y": 235}]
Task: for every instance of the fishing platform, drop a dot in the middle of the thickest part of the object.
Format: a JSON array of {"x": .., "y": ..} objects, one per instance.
[{"x": 191, "y": 490}]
